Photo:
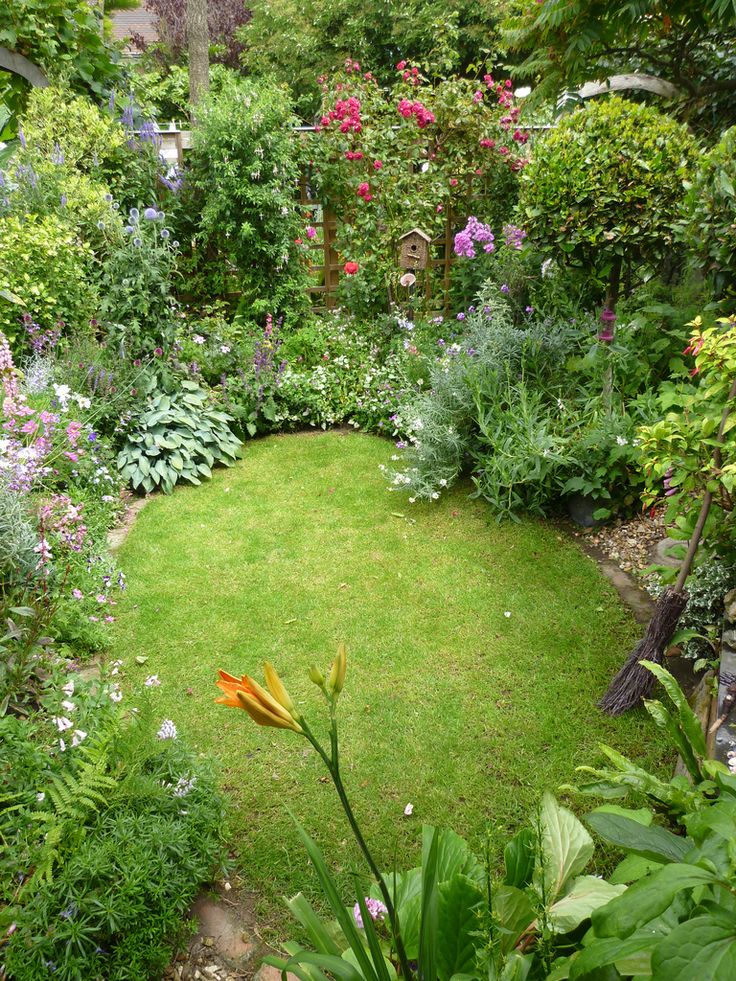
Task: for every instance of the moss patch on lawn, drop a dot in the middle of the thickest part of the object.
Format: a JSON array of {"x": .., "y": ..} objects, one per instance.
[{"x": 476, "y": 650}]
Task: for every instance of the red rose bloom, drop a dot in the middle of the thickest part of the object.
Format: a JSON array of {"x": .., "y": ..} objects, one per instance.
[{"x": 350, "y": 268}]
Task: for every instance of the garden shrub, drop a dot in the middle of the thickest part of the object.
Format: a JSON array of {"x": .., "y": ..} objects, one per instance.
[
  {"x": 18, "y": 541},
  {"x": 245, "y": 166},
  {"x": 677, "y": 447},
  {"x": 710, "y": 212},
  {"x": 605, "y": 187},
  {"x": 82, "y": 138},
  {"x": 49, "y": 269},
  {"x": 136, "y": 282},
  {"x": 179, "y": 437},
  {"x": 488, "y": 399},
  {"x": 77, "y": 200},
  {"x": 115, "y": 827}
]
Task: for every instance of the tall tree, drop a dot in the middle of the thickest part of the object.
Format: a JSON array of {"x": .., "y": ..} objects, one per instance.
[
  {"x": 198, "y": 43},
  {"x": 690, "y": 43}
]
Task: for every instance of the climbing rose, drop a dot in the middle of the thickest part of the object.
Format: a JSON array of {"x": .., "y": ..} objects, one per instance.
[{"x": 350, "y": 268}]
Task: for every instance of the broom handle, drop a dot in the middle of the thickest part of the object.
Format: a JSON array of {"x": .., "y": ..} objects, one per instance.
[{"x": 707, "y": 500}]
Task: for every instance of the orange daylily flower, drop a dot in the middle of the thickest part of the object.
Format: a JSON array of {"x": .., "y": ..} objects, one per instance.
[{"x": 266, "y": 708}]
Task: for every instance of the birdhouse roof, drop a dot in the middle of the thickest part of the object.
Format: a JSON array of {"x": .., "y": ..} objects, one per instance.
[{"x": 415, "y": 231}]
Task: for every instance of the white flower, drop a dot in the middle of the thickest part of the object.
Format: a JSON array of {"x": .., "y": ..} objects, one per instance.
[
  {"x": 435, "y": 495},
  {"x": 167, "y": 730},
  {"x": 78, "y": 736},
  {"x": 68, "y": 689},
  {"x": 621, "y": 441},
  {"x": 225, "y": 349},
  {"x": 62, "y": 745},
  {"x": 408, "y": 810},
  {"x": 41, "y": 796},
  {"x": 507, "y": 613},
  {"x": 152, "y": 681},
  {"x": 198, "y": 339},
  {"x": 62, "y": 392},
  {"x": 62, "y": 723},
  {"x": 69, "y": 706},
  {"x": 115, "y": 694}
]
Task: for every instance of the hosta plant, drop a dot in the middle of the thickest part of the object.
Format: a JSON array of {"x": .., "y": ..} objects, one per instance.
[{"x": 179, "y": 437}]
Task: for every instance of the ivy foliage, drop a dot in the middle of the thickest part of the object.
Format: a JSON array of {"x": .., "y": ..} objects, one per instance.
[
  {"x": 63, "y": 38},
  {"x": 607, "y": 182}
]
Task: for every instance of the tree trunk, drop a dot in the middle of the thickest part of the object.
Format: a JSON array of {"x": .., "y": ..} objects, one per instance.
[{"x": 198, "y": 43}]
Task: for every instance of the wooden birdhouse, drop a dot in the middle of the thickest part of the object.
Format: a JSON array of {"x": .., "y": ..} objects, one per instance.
[{"x": 414, "y": 249}]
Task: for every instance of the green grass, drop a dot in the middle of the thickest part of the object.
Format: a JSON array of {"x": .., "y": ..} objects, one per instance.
[{"x": 450, "y": 704}]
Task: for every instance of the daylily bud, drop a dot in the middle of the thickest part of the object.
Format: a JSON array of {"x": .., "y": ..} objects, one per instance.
[
  {"x": 337, "y": 671},
  {"x": 276, "y": 686},
  {"x": 316, "y": 676}
]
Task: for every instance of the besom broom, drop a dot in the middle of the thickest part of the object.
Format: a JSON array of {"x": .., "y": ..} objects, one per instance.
[{"x": 634, "y": 682}]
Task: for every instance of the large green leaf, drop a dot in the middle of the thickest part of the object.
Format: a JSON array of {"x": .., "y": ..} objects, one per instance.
[
  {"x": 603, "y": 952},
  {"x": 655, "y": 843},
  {"x": 688, "y": 719},
  {"x": 427, "y": 960},
  {"x": 566, "y": 846},
  {"x": 702, "y": 949},
  {"x": 588, "y": 893},
  {"x": 453, "y": 855},
  {"x": 457, "y": 926},
  {"x": 519, "y": 858},
  {"x": 514, "y": 912},
  {"x": 317, "y": 931},
  {"x": 647, "y": 898}
]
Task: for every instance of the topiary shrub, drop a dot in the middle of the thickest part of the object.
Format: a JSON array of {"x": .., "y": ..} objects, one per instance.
[
  {"x": 709, "y": 226},
  {"x": 604, "y": 188}
]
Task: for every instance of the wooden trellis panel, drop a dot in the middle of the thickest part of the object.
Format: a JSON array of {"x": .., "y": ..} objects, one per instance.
[{"x": 324, "y": 265}]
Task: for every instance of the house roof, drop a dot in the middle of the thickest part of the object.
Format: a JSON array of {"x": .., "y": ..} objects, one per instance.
[{"x": 128, "y": 22}]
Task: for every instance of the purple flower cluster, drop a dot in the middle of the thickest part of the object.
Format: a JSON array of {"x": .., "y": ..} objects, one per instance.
[
  {"x": 474, "y": 232},
  {"x": 376, "y": 910},
  {"x": 513, "y": 236},
  {"x": 42, "y": 341}
]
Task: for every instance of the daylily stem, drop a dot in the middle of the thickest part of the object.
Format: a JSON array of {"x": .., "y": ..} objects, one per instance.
[{"x": 333, "y": 767}]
